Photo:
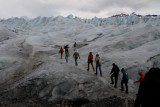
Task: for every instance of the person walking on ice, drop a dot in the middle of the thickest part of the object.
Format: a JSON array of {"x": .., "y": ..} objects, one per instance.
[
  {"x": 76, "y": 56},
  {"x": 66, "y": 48},
  {"x": 98, "y": 64},
  {"x": 124, "y": 80},
  {"x": 61, "y": 52},
  {"x": 90, "y": 60},
  {"x": 141, "y": 77},
  {"x": 66, "y": 52},
  {"x": 140, "y": 80},
  {"x": 75, "y": 45},
  {"x": 66, "y": 55},
  {"x": 114, "y": 74}
]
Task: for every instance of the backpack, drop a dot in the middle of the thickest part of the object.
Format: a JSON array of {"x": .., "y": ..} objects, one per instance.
[
  {"x": 90, "y": 57},
  {"x": 76, "y": 55},
  {"x": 67, "y": 53},
  {"x": 125, "y": 76},
  {"x": 97, "y": 59}
]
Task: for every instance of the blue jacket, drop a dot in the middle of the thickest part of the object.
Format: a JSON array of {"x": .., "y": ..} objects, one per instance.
[{"x": 125, "y": 75}]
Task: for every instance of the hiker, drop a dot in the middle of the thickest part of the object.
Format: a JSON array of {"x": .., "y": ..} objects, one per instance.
[
  {"x": 114, "y": 74},
  {"x": 149, "y": 90},
  {"x": 66, "y": 55},
  {"x": 90, "y": 60},
  {"x": 124, "y": 80},
  {"x": 76, "y": 56},
  {"x": 98, "y": 64},
  {"x": 75, "y": 44},
  {"x": 139, "y": 80},
  {"x": 141, "y": 77},
  {"x": 66, "y": 52},
  {"x": 61, "y": 52},
  {"x": 66, "y": 48}
]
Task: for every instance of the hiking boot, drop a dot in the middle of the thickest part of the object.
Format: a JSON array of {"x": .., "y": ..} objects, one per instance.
[
  {"x": 112, "y": 83},
  {"x": 126, "y": 92},
  {"x": 95, "y": 73}
]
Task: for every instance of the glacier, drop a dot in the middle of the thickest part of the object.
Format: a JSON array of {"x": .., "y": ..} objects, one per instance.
[{"x": 30, "y": 65}]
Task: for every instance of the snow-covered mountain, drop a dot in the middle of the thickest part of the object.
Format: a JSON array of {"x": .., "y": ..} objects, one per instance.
[{"x": 30, "y": 65}]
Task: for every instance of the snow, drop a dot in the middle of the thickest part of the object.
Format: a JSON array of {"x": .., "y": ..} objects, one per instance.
[{"x": 29, "y": 53}]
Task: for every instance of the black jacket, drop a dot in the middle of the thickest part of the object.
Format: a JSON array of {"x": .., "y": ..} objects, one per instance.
[{"x": 115, "y": 70}]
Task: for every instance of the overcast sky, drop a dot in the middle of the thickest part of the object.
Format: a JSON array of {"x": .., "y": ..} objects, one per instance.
[{"x": 80, "y": 8}]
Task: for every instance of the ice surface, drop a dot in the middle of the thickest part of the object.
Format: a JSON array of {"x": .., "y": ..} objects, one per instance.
[{"x": 29, "y": 55}]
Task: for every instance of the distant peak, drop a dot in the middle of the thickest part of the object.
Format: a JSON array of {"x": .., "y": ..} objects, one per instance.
[
  {"x": 70, "y": 16},
  {"x": 122, "y": 14},
  {"x": 25, "y": 17},
  {"x": 133, "y": 13}
]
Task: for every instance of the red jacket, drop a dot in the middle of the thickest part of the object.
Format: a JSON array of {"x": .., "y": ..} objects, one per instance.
[
  {"x": 61, "y": 50},
  {"x": 141, "y": 77},
  {"x": 90, "y": 56}
]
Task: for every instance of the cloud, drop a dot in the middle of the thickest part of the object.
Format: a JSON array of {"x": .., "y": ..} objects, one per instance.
[
  {"x": 33, "y": 8},
  {"x": 100, "y": 5}
]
